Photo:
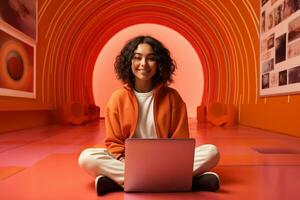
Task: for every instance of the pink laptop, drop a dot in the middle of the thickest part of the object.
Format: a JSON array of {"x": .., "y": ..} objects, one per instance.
[{"x": 159, "y": 165}]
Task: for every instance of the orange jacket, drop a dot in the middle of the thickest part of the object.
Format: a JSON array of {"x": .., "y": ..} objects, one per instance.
[{"x": 170, "y": 117}]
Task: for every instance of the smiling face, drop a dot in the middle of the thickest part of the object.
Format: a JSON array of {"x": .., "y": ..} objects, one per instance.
[{"x": 143, "y": 66}]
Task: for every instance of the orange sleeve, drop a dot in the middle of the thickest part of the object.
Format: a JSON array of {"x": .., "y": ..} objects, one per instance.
[
  {"x": 179, "y": 123},
  {"x": 114, "y": 140}
]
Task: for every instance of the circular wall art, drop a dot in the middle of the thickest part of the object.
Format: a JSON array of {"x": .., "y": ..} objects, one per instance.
[{"x": 16, "y": 72}]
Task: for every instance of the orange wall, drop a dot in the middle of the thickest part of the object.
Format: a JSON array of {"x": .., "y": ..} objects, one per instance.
[
  {"x": 20, "y": 113},
  {"x": 224, "y": 34},
  {"x": 16, "y": 120},
  {"x": 279, "y": 114},
  {"x": 275, "y": 113}
]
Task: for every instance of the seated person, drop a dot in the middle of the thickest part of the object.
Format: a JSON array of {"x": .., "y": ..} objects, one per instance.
[{"x": 144, "y": 108}]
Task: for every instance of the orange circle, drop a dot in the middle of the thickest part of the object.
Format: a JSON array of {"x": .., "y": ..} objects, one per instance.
[
  {"x": 15, "y": 65},
  {"x": 26, "y": 81}
]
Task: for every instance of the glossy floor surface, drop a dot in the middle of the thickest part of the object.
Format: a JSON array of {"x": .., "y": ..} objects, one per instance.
[{"x": 41, "y": 163}]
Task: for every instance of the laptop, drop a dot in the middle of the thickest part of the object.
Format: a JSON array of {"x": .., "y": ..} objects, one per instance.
[{"x": 159, "y": 165}]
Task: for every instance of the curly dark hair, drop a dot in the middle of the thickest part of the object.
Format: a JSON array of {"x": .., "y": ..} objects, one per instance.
[{"x": 166, "y": 66}]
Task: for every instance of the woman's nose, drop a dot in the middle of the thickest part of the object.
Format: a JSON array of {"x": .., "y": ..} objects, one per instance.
[{"x": 143, "y": 61}]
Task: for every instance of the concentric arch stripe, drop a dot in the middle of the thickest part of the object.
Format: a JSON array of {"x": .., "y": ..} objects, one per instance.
[{"x": 223, "y": 34}]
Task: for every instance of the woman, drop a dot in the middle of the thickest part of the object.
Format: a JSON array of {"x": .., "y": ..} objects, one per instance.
[{"x": 144, "y": 108}]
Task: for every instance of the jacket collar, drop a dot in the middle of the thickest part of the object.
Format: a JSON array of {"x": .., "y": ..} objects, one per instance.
[{"x": 156, "y": 88}]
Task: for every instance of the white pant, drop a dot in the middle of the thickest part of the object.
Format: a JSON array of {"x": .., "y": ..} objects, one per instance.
[{"x": 97, "y": 161}]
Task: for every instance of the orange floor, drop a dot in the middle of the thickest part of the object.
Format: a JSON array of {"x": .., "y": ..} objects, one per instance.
[{"x": 41, "y": 163}]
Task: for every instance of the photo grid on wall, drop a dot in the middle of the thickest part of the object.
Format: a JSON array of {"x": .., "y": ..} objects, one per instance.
[
  {"x": 279, "y": 47},
  {"x": 18, "y": 38}
]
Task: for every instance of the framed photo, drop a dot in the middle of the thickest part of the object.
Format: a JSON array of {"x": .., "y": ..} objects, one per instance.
[
  {"x": 279, "y": 47},
  {"x": 20, "y": 15},
  {"x": 18, "y": 66}
]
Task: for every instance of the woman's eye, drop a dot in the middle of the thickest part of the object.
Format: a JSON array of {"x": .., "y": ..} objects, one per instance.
[
  {"x": 137, "y": 58},
  {"x": 152, "y": 59}
]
